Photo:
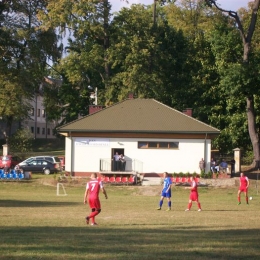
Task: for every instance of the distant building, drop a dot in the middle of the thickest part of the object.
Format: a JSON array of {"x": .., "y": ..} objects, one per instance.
[{"x": 36, "y": 122}]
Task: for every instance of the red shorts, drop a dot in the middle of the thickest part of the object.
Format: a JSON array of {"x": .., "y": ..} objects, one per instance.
[
  {"x": 243, "y": 189},
  {"x": 94, "y": 203},
  {"x": 194, "y": 196}
]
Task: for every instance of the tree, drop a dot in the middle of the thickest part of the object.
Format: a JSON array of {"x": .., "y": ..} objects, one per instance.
[
  {"x": 24, "y": 52},
  {"x": 247, "y": 85},
  {"x": 148, "y": 61}
]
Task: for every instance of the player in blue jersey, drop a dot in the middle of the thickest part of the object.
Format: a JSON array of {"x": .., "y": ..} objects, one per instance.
[{"x": 166, "y": 191}]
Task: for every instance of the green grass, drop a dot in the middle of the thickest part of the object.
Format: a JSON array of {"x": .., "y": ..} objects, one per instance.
[{"x": 37, "y": 224}]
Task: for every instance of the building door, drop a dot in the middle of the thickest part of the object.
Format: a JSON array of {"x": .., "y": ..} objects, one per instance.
[{"x": 115, "y": 166}]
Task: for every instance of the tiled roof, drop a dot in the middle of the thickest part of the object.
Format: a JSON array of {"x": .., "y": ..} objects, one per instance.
[{"x": 138, "y": 115}]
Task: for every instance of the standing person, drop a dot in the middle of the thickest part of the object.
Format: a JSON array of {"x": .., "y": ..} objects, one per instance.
[
  {"x": 194, "y": 196},
  {"x": 92, "y": 197},
  {"x": 232, "y": 162},
  {"x": 122, "y": 162},
  {"x": 202, "y": 165},
  {"x": 116, "y": 161},
  {"x": 166, "y": 191},
  {"x": 244, "y": 184}
]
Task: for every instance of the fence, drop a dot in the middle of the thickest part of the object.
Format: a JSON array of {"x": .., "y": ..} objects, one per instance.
[{"x": 131, "y": 165}]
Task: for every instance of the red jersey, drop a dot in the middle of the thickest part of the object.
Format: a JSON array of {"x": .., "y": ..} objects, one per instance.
[
  {"x": 194, "y": 191},
  {"x": 194, "y": 186},
  {"x": 243, "y": 182},
  {"x": 94, "y": 187}
]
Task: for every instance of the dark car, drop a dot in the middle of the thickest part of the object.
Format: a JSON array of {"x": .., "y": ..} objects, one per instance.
[
  {"x": 9, "y": 161},
  {"x": 51, "y": 158},
  {"x": 40, "y": 165}
]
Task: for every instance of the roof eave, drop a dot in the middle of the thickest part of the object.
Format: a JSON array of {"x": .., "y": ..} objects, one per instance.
[{"x": 137, "y": 131}]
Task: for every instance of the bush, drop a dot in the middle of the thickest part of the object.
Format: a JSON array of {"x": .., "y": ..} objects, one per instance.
[
  {"x": 21, "y": 141},
  {"x": 248, "y": 158}
]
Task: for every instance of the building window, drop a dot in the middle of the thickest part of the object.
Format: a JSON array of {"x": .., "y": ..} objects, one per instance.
[
  {"x": 38, "y": 130},
  {"x": 38, "y": 112},
  {"x": 32, "y": 111},
  {"x": 43, "y": 113},
  {"x": 48, "y": 131},
  {"x": 43, "y": 130},
  {"x": 32, "y": 129},
  {"x": 158, "y": 145}
]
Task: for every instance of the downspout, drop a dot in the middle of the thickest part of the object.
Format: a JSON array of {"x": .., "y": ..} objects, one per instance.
[
  {"x": 71, "y": 153},
  {"x": 205, "y": 150}
]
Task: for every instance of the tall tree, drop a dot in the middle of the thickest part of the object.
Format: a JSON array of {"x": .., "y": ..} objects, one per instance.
[
  {"x": 248, "y": 89},
  {"x": 24, "y": 52},
  {"x": 134, "y": 44}
]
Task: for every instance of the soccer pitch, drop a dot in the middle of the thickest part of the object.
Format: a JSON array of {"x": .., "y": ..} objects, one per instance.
[{"x": 37, "y": 224}]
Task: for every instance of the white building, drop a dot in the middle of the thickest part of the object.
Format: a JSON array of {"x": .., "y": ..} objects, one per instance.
[
  {"x": 38, "y": 124},
  {"x": 153, "y": 137}
]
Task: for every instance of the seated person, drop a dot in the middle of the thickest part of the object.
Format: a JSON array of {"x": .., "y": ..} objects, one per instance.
[
  {"x": 223, "y": 166},
  {"x": 213, "y": 166}
]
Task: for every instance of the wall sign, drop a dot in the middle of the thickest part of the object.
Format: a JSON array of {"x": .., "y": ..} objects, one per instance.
[{"x": 94, "y": 142}]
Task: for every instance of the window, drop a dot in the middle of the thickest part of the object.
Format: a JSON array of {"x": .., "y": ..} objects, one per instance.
[
  {"x": 142, "y": 145},
  {"x": 48, "y": 131},
  {"x": 43, "y": 130},
  {"x": 158, "y": 145},
  {"x": 38, "y": 112},
  {"x": 38, "y": 130},
  {"x": 43, "y": 112},
  {"x": 32, "y": 129}
]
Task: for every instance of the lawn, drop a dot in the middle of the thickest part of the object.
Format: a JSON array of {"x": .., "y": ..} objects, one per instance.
[{"x": 35, "y": 223}]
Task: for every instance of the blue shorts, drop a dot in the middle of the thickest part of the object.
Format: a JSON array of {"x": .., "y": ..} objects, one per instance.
[{"x": 167, "y": 194}]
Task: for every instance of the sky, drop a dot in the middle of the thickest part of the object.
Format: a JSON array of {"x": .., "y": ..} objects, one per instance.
[{"x": 232, "y": 5}]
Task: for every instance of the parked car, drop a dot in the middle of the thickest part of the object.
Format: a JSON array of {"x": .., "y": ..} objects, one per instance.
[
  {"x": 9, "y": 161},
  {"x": 53, "y": 159},
  {"x": 39, "y": 165}
]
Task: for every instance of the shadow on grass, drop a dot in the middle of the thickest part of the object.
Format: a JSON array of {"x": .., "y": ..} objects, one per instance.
[
  {"x": 121, "y": 242},
  {"x": 24, "y": 203}
]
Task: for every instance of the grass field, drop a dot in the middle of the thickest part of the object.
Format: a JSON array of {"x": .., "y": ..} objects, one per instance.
[{"x": 37, "y": 224}]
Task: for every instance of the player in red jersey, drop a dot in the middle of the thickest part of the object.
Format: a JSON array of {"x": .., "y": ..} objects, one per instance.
[
  {"x": 244, "y": 184},
  {"x": 92, "y": 197},
  {"x": 194, "y": 196}
]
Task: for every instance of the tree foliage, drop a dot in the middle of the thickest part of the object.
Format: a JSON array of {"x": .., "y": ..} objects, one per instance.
[
  {"x": 24, "y": 52},
  {"x": 184, "y": 53}
]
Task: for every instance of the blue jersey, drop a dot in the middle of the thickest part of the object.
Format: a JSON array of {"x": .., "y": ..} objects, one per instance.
[{"x": 166, "y": 184}]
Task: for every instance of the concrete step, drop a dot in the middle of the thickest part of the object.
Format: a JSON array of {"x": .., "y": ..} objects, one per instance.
[{"x": 149, "y": 181}]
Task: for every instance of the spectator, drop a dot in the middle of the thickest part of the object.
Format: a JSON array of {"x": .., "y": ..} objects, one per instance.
[
  {"x": 232, "y": 162},
  {"x": 116, "y": 162},
  {"x": 202, "y": 165},
  {"x": 212, "y": 165},
  {"x": 122, "y": 162},
  {"x": 223, "y": 166}
]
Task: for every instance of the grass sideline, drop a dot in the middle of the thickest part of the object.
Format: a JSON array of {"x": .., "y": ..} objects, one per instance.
[{"x": 37, "y": 224}]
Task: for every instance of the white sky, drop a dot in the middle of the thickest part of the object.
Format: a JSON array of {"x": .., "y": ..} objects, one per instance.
[{"x": 232, "y": 5}]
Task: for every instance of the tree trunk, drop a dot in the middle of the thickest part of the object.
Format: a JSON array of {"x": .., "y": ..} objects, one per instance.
[
  {"x": 250, "y": 110},
  {"x": 252, "y": 128},
  {"x": 106, "y": 38}
]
